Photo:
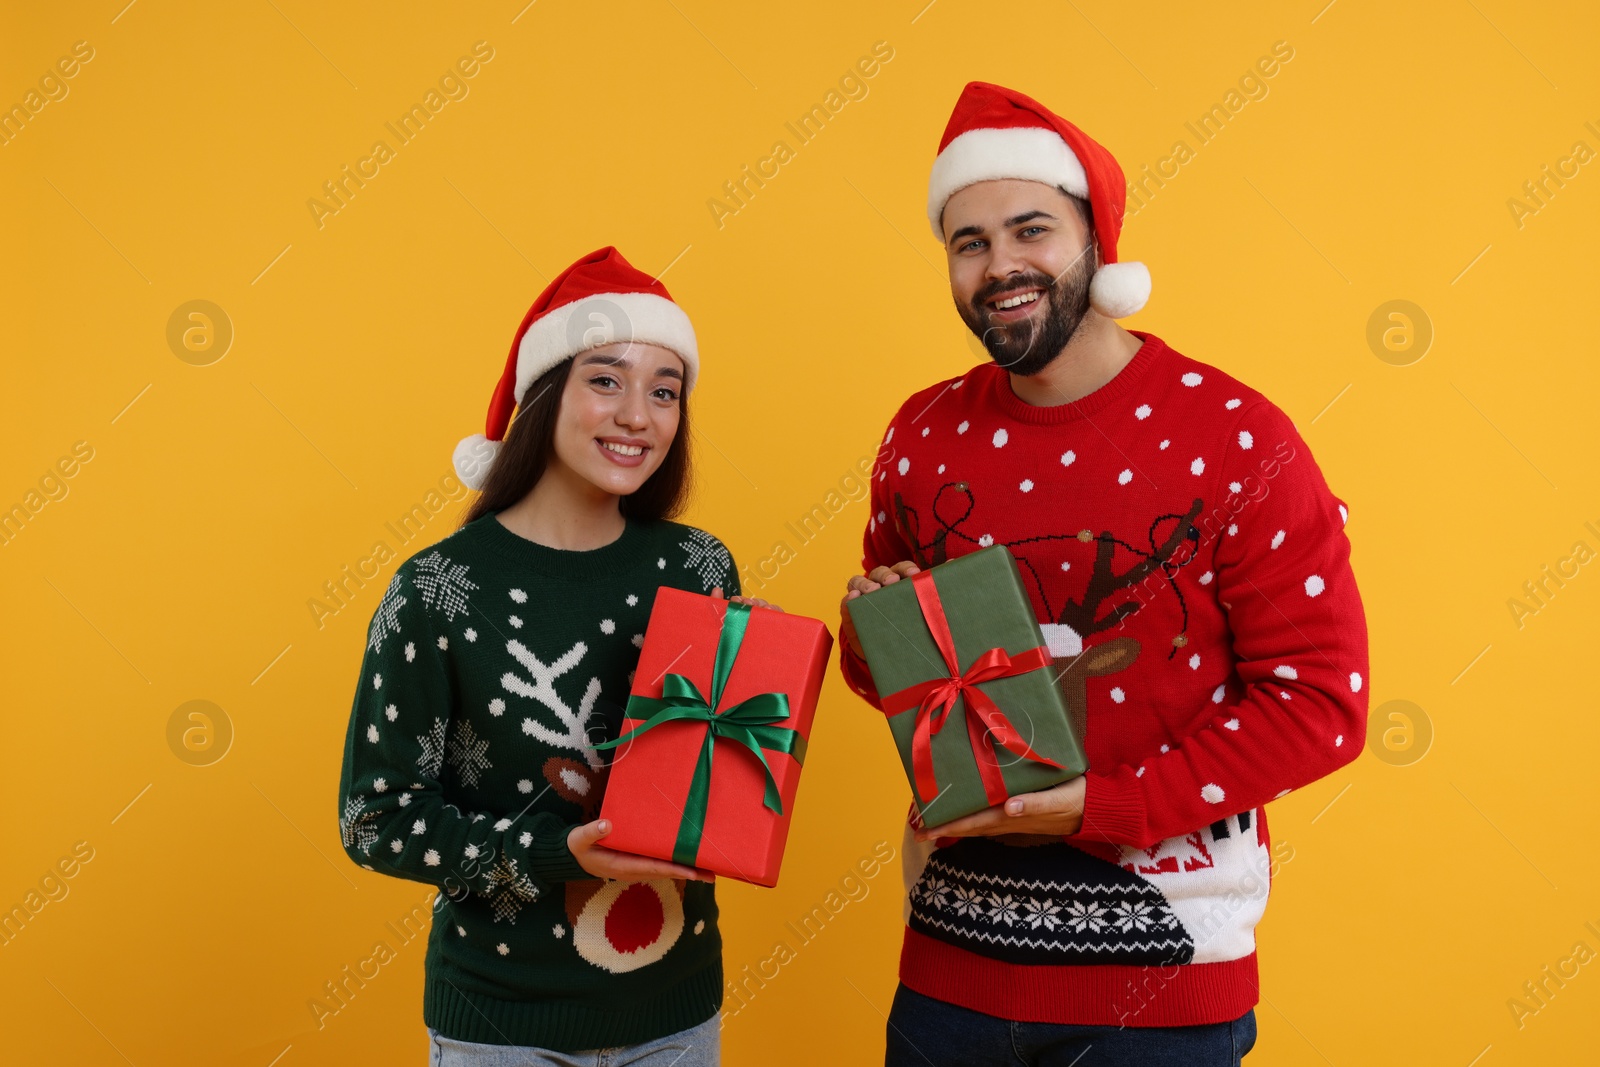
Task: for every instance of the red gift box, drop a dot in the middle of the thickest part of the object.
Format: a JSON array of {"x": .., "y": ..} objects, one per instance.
[{"x": 686, "y": 783}]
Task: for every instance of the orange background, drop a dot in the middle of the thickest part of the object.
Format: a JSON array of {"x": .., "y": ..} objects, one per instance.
[{"x": 1428, "y": 883}]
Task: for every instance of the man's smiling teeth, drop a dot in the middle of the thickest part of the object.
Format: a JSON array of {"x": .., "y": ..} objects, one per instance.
[
  {"x": 1017, "y": 301},
  {"x": 623, "y": 450}
]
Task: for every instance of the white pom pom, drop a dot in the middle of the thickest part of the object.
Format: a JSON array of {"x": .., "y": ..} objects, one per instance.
[
  {"x": 1119, "y": 289},
  {"x": 473, "y": 458}
]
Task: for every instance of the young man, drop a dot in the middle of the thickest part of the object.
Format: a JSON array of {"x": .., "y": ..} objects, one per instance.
[{"x": 1189, "y": 568}]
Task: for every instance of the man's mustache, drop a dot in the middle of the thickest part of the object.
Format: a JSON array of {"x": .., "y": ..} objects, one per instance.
[{"x": 1038, "y": 281}]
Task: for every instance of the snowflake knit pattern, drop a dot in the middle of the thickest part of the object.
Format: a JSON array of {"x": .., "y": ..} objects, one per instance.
[
  {"x": 493, "y": 665},
  {"x": 1189, "y": 568}
]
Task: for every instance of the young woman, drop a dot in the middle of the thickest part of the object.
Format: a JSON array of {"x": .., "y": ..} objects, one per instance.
[{"x": 496, "y": 661}]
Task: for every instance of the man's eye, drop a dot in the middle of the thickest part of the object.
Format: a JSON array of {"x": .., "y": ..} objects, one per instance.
[
  {"x": 1032, "y": 229},
  {"x": 969, "y": 246}
]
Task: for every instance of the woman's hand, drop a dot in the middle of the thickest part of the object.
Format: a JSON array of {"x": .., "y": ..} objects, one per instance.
[
  {"x": 753, "y": 601},
  {"x": 858, "y": 584},
  {"x": 1057, "y": 811},
  {"x": 623, "y": 866}
]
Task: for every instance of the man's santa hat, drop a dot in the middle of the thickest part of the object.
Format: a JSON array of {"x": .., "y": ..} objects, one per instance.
[
  {"x": 996, "y": 133},
  {"x": 599, "y": 299}
]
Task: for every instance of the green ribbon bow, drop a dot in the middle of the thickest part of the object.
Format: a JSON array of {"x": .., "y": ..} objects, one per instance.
[{"x": 751, "y": 722}]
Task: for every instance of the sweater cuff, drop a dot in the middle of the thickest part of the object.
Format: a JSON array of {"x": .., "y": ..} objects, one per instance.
[
  {"x": 550, "y": 860},
  {"x": 1113, "y": 809}
]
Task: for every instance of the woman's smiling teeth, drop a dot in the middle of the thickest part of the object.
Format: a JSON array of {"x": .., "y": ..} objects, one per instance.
[
  {"x": 625, "y": 450},
  {"x": 1016, "y": 301}
]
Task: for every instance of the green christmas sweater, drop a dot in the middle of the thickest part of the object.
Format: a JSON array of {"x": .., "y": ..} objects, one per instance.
[{"x": 493, "y": 666}]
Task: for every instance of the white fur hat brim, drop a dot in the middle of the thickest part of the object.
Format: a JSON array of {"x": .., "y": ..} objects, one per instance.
[
  {"x": 1029, "y": 153},
  {"x": 601, "y": 319}
]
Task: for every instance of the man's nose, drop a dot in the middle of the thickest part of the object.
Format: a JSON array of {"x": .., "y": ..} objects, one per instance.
[{"x": 1005, "y": 261}]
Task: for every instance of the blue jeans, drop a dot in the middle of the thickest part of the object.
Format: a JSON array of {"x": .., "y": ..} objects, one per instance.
[
  {"x": 924, "y": 1032},
  {"x": 698, "y": 1046}
]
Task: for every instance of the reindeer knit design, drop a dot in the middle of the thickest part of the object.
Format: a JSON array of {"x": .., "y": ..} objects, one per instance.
[
  {"x": 492, "y": 667},
  {"x": 1189, "y": 569}
]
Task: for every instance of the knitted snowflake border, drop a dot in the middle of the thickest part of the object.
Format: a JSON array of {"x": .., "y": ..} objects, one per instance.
[
  {"x": 509, "y": 889},
  {"x": 708, "y": 558},
  {"x": 387, "y": 618},
  {"x": 466, "y": 753},
  {"x": 444, "y": 585},
  {"x": 355, "y": 825},
  {"x": 432, "y": 742}
]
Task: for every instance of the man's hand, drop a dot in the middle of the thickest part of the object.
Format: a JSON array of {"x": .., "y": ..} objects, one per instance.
[
  {"x": 623, "y": 866},
  {"x": 1056, "y": 811},
  {"x": 880, "y": 577}
]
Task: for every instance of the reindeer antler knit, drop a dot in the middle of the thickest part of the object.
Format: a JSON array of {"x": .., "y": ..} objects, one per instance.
[
  {"x": 1189, "y": 567},
  {"x": 493, "y": 665}
]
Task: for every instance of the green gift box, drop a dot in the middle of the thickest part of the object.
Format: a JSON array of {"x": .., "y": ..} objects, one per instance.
[{"x": 968, "y": 685}]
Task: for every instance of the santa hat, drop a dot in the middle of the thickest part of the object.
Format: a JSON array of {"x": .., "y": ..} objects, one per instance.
[
  {"x": 995, "y": 133},
  {"x": 599, "y": 299}
]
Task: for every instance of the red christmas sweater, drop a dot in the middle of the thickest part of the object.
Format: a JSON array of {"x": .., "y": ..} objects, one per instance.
[{"x": 1189, "y": 568}]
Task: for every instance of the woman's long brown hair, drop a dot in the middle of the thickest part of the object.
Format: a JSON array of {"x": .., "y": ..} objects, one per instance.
[{"x": 530, "y": 442}]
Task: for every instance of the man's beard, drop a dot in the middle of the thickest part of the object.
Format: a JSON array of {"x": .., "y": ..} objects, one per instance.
[{"x": 1028, "y": 346}]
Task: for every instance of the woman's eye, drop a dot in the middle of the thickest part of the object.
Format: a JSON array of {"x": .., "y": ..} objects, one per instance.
[
  {"x": 603, "y": 380},
  {"x": 667, "y": 394}
]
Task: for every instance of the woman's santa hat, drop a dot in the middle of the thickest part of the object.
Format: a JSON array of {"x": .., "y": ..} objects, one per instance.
[
  {"x": 996, "y": 133},
  {"x": 599, "y": 299}
]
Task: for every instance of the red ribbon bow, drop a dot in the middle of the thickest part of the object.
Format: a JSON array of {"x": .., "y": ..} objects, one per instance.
[{"x": 934, "y": 698}]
